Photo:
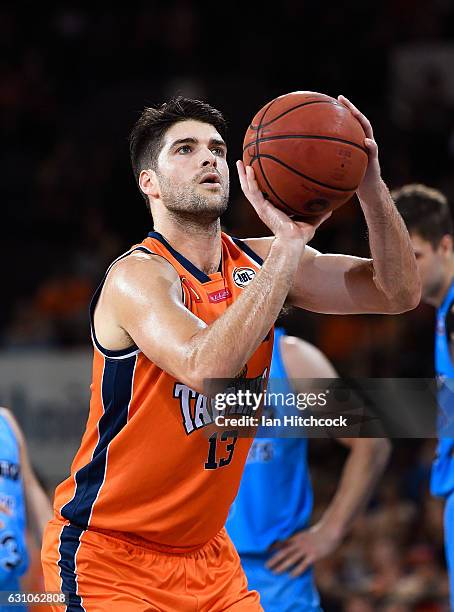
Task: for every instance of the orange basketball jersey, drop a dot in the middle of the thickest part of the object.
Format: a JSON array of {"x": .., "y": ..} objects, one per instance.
[{"x": 146, "y": 468}]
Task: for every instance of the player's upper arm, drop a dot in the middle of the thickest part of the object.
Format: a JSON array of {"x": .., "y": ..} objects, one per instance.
[
  {"x": 337, "y": 284},
  {"x": 303, "y": 360},
  {"x": 332, "y": 283},
  {"x": 305, "y": 364},
  {"x": 144, "y": 295}
]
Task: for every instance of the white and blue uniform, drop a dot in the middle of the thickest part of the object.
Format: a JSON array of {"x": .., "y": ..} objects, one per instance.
[
  {"x": 442, "y": 478},
  {"x": 13, "y": 552},
  {"x": 274, "y": 501}
]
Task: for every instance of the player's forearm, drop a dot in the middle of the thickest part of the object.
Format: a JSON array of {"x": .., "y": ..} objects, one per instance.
[
  {"x": 395, "y": 271},
  {"x": 222, "y": 349},
  {"x": 364, "y": 466}
]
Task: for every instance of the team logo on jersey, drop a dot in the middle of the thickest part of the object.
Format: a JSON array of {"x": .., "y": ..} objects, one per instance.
[
  {"x": 198, "y": 410},
  {"x": 243, "y": 276}
]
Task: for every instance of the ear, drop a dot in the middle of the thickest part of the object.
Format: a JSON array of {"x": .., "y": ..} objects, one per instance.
[
  {"x": 446, "y": 245},
  {"x": 149, "y": 184}
]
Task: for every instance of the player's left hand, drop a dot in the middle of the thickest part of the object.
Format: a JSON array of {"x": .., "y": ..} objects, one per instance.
[
  {"x": 301, "y": 550},
  {"x": 371, "y": 183}
]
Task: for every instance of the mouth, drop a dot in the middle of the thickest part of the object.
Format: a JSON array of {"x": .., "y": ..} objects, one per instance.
[{"x": 211, "y": 180}]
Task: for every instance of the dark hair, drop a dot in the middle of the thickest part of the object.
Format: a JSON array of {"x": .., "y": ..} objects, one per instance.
[
  {"x": 145, "y": 139},
  {"x": 425, "y": 211}
]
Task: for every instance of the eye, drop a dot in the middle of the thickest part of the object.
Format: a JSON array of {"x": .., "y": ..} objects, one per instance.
[
  {"x": 219, "y": 151},
  {"x": 184, "y": 149}
]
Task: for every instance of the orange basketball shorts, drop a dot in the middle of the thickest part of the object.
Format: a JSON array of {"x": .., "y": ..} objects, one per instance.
[{"x": 103, "y": 573}]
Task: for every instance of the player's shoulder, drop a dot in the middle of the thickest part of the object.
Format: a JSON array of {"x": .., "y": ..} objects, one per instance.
[
  {"x": 139, "y": 268},
  {"x": 307, "y": 356}
]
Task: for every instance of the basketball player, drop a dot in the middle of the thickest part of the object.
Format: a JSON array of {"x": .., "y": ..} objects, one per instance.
[
  {"x": 428, "y": 218},
  {"x": 139, "y": 525},
  {"x": 276, "y": 547},
  {"x": 19, "y": 489}
]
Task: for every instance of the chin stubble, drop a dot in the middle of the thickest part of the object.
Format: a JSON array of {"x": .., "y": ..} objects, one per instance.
[{"x": 185, "y": 201}]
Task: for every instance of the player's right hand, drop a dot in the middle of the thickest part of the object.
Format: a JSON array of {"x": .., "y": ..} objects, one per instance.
[
  {"x": 276, "y": 220},
  {"x": 371, "y": 183},
  {"x": 303, "y": 549}
]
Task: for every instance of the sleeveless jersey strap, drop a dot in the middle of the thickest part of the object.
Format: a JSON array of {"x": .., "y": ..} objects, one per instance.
[
  {"x": 130, "y": 350},
  {"x": 247, "y": 249}
]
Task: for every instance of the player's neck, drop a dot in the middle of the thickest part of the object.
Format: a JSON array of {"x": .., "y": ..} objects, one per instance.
[{"x": 201, "y": 245}]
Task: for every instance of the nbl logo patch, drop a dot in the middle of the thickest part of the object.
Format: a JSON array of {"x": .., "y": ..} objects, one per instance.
[{"x": 243, "y": 276}]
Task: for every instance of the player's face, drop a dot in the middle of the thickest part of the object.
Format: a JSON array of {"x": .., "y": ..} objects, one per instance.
[
  {"x": 430, "y": 263},
  {"x": 192, "y": 170}
]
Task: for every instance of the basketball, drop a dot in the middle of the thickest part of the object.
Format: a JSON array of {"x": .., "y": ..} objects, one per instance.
[{"x": 307, "y": 151}]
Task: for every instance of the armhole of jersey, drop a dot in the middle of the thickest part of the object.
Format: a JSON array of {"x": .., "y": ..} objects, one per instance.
[
  {"x": 130, "y": 350},
  {"x": 247, "y": 249},
  {"x": 277, "y": 353}
]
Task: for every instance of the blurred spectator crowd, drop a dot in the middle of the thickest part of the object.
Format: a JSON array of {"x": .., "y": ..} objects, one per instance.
[
  {"x": 73, "y": 81},
  {"x": 393, "y": 561}
]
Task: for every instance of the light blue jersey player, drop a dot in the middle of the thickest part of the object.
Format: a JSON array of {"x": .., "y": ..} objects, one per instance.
[
  {"x": 19, "y": 488},
  {"x": 13, "y": 551},
  {"x": 269, "y": 520},
  {"x": 428, "y": 218},
  {"x": 442, "y": 480}
]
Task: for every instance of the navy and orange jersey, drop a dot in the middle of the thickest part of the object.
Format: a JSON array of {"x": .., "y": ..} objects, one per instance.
[{"x": 147, "y": 469}]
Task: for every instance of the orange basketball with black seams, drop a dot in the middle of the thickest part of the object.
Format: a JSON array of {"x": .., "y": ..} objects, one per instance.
[{"x": 307, "y": 151}]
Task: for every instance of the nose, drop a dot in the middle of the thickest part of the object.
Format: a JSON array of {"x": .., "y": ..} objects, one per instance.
[{"x": 208, "y": 159}]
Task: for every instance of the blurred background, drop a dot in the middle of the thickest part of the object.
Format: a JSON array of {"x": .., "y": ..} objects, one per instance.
[{"x": 73, "y": 81}]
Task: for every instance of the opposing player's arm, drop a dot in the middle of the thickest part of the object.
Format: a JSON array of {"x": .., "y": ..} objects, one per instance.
[
  {"x": 142, "y": 296},
  {"x": 365, "y": 463},
  {"x": 368, "y": 456},
  {"x": 39, "y": 509},
  {"x": 343, "y": 284},
  {"x": 303, "y": 360}
]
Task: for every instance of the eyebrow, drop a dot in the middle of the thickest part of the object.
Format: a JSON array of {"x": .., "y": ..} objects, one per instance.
[{"x": 190, "y": 140}]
